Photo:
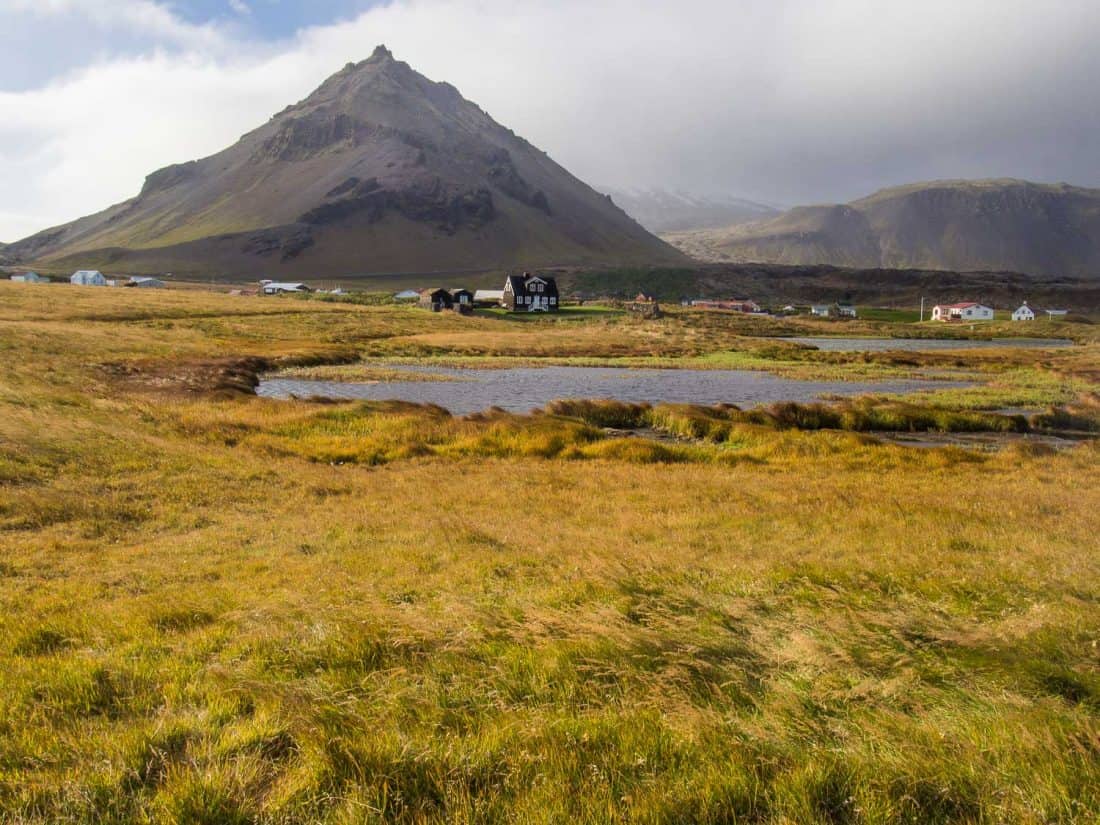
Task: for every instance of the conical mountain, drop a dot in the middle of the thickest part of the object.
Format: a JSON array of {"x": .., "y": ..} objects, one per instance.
[{"x": 378, "y": 171}]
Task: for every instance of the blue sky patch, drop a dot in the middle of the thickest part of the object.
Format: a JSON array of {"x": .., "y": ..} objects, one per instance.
[{"x": 270, "y": 19}]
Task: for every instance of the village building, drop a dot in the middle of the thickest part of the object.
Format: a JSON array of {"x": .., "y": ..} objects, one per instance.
[
  {"x": 833, "y": 311},
  {"x": 488, "y": 297},
  {"x": 89, "y": 277},
  {"x": 407, "y": 295},
  {"x": 734, "y": 305},
  {"x": 1024, "y": 313},
  {"x": 436, "y": 300},
  {"x": 1030, "y": 313},
  {"x": 965, "y": 311},
  {"x": 145, "y": 283},
  {"x": 30, "y": 278},
  {"x": 530, "y": 293},
  {"x": 282, "y": 288},
  {"x": 462, "y": 297}
]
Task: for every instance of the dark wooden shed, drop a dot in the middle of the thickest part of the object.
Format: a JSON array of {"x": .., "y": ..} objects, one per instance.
[{"x": 436, "y": 300}]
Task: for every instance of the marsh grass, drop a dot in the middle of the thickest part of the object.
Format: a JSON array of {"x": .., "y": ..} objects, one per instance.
[{"x": 206, "y": 617}]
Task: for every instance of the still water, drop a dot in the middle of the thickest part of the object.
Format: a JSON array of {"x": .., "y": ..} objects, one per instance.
[
  {"x": 523, "y": 389},
  {"x": 925, "y": 344}
]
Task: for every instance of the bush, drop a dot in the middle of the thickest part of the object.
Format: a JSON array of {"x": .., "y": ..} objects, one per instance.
[{"x": 602, "y": 413}]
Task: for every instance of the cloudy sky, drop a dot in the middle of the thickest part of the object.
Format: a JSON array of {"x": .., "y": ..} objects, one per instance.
[{"x": 787, "y": 101}]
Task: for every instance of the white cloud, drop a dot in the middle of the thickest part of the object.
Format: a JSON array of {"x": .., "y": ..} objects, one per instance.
[
  {"x": 144, "y": 17},
  {"x": 783, "y": 100}
]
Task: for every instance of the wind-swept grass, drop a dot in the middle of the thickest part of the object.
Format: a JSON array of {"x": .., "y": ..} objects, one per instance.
[{"x": 239, "y": 610}]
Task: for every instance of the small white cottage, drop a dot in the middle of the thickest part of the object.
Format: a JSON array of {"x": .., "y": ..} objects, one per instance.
[
  {"x": 30, "y": 278},
  {"x": 1024, "y": 313},
  {"x": 277, "y": 288},
  {"x": 965, "y": 311},
  {"x": 89, "y": 277}
]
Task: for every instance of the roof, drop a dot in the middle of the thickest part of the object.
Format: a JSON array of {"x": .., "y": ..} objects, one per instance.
[
  {"x": 86, "y": 273},
  {"x": 488, "y": 294},
  {"x": 284, "y": 285},
  {"x": 963, "y": 305}
]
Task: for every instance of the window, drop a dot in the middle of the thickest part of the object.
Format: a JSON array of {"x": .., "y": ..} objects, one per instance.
[{"x": 553, "y": 300}]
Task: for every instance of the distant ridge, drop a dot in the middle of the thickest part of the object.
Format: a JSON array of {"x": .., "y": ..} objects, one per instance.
[
  {"x": 659, "y": 210},
  {"x": 379, "y": 170},
  {"x": 958, "y": 225}
]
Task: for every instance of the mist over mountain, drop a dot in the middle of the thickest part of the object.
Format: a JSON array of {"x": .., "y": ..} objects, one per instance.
[
  {"x": 379, "y": 170},
  {"x": 1004, "y": 225},
  {"x": 660, "y": 210}
]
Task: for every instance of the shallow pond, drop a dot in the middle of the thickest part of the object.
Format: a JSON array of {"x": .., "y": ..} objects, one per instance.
[
  {"x": 926, "y": 344},
  {"x": 523, "y": 389}
]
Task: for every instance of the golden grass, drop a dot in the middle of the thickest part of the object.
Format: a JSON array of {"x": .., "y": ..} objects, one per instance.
[{"x": 208, "y": 618}]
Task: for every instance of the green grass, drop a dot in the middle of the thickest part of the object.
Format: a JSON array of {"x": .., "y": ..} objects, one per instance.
[{"x": 897, "y": 316}]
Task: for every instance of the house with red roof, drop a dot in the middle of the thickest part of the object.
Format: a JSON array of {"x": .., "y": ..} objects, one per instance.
[{"x": 965, "y": 311}]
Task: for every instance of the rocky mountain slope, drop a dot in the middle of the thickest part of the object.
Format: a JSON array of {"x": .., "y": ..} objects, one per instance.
[
  {"x": 378, "y": 171},
  {"x": 659, "y": 210},
  {"x": 952, "y": 225}
]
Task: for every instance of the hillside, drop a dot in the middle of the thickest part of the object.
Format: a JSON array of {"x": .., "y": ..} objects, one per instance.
[
  {"x": 379, "y": 170},
  {"x": 1011, "y": 225},
  {"x": 661, "y": 211}
]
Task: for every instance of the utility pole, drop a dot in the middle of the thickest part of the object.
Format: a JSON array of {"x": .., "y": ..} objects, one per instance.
[{"x": 922, "y": 309}]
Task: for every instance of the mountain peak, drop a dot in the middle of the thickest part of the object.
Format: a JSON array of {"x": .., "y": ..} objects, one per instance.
[
  {"x": 378, "y": 170},
  {"x": 380, "y": 53}
]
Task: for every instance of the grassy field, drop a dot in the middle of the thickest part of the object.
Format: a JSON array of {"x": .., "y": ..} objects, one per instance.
[{"x": 217, "y": 608}]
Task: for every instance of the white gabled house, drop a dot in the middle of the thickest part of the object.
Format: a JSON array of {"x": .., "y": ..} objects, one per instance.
[
  {"x": 1030, "y": 313},
  {"x": 965, "y": 311},
  {"x": 30, "y": 278},
  {"x": 1024, "y": 313},
  {"x": 89, "y": 277}
]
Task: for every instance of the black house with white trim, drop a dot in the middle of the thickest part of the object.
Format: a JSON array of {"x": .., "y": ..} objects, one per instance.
[{"x": 530, "y": 293}]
